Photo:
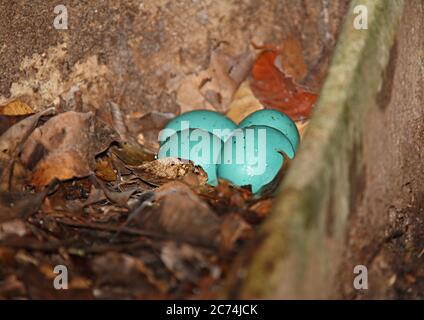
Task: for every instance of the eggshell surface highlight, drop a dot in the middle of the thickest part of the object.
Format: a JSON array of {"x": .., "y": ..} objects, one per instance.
[
  {"x": 211, "y": 121},
  {"x": 251, "y": 156},
  {"x": 274, "y": 119}
]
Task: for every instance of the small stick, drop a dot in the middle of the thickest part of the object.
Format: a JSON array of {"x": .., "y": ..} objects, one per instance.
[{"x": 122, "y": 229}]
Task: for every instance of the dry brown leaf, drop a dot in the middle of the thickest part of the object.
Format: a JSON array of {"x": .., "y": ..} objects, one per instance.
[
  {"x": 233, "y": 228},
  {"x": 78, "y": 282},
  {"x": 66, "y": 139},
  {"x": 244, "y": 103},
  {"x": 214, "y": 87},
  {"x": 191, "y": 220},
  {"x": 12, "y": 287},
  {"x": 69, "y": 146},
  {"x": 65, "y": 130},
  {"x": 7, "y": 121},
  {"x": 104, "y": 170},
  {"x": 95, "y": 196},
  {"x": 186, "y": 262},
  {"x": 61, "y": 165},
  {"x": 291, "y": 59},
  {"x": 26, "y": 205},
  {"x": 118, "y": 197},
  {"x": 146, "y": 127},
  {"x": 262, "y": 208},
  {"x": 13, "y": 227},
  {"x": 133, "y": 274},
  {"x": 278, "y": 91},
  {"x": 133, "y": 154},
  {"x": 16, "y": 134}
]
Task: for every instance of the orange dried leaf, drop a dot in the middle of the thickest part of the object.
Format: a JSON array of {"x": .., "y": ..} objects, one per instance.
[
  {"x": 16, "y": 108},
  {"x": 291, "y": 57},
  {"x": 60, "y": 165},
  {"x": 275, "y": 90},
  {"x": 105, "y": 171}
]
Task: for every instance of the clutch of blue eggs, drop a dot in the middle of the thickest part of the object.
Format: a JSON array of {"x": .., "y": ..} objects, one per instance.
[{"x": 250, "y": 153}]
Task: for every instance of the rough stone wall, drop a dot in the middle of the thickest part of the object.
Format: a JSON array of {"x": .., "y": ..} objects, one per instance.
[{"x": 138, "y": 52}]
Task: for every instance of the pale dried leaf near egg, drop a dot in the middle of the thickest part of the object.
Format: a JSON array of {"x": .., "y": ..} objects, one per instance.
[
  {"x": 146, "y": 127},
  {"x": 189, "y": 96},
  {"x": 244, "y": 103},
  {"x": 214, "y": 87},
  {"x": 302, "y": 126},
  {"x": 118, "y": 120}
]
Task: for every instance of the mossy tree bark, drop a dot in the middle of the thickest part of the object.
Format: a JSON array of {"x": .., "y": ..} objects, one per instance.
[{"x": 299, "y": 248}]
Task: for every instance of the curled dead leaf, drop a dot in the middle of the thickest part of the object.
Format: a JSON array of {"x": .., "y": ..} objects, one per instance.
[
  {"x": 69, "y": 144},
  {"x": 17, "y": 134},
  {"x": 133, "y": 154},
  {"x": 16, "y": 108},
  {"x": 61, "y": 165},
  {"x": 191, "y": 220},
  {"x": 104, "y": 170}
]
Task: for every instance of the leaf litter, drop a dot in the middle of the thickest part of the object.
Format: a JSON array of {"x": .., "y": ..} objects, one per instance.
[{"x": 83, "y": 189}]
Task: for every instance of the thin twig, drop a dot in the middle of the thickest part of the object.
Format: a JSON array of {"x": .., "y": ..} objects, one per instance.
[{"x": 102, "y": 227}]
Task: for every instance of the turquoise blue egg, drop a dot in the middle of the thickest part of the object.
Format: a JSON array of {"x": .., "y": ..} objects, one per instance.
[
  {"x": 211, "y": 121},
  {"x": 251, "y": 156},
  {"x": 199, "y": 146},
  {"x": 274, "y": 119}
]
